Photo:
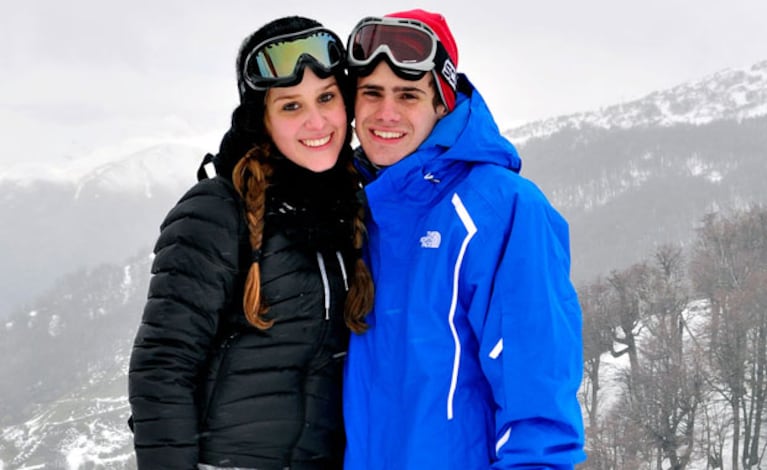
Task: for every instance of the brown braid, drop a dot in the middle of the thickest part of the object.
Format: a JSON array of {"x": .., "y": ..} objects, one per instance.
[
  {"x": 359, "y": 300},
  {"x": 251, "y": 177}
]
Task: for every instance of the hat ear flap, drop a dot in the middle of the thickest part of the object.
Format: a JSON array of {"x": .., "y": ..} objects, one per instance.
[{"x": 249, "y": 116}]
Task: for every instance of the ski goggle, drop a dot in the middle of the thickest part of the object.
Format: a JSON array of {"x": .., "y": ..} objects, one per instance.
[
  {"x": 410, "y": 47},
  {"x": 280, "y": 60}
]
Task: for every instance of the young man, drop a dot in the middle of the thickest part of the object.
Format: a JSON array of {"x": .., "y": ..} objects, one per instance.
[{"x": 472, "y": 359}]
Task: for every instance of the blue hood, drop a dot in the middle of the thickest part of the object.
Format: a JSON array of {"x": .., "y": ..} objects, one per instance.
[
  {"x": 463, "y": 137},
  {"x": 468, "y": 134}
]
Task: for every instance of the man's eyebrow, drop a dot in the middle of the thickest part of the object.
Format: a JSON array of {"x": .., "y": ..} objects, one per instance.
[
  {"x": 408, "y": 89},
  {"x": 396, "y": 89},
  {"x": 370, "y": 87}
]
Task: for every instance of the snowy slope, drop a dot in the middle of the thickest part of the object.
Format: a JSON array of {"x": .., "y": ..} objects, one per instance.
[{"x": 728, "y": 94}]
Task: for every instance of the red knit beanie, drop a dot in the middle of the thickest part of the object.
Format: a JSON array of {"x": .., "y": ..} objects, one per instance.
[{"x": 447, "y": 76}]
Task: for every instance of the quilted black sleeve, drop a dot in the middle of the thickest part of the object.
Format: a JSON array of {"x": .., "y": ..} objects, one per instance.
[{"x": 193, "y": 277}]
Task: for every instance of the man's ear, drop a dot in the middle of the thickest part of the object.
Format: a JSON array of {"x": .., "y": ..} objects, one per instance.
[{"x": 441, "y": 111}]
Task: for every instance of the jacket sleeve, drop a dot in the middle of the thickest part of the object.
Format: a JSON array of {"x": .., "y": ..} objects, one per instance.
[
  {"x": 528, "y": 323},
  {"x": 194, "y": 272}
]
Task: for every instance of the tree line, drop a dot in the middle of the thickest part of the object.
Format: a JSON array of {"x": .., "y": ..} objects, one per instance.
[{"x": 675, "y": 354}]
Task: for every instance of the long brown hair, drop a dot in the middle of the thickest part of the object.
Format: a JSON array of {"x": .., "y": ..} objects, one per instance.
[
  {"x": 359, "y": 299},
  {"x": 251, "y": 177}
]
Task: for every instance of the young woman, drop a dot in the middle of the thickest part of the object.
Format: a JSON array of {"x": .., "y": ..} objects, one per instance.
[{"x": 238, "y": 359}]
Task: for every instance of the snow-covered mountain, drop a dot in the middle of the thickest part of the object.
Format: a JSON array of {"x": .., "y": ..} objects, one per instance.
[
  {"x": 732, "y": 94},
  {"x": 101, "y": 215},
  {"x": 161, "y": 167},
  {"x": 626, "y": 191},
  {"x": 644, "y": 173}
]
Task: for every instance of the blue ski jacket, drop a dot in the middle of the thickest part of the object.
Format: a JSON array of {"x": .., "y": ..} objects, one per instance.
[{"x": 473, "y": 357}]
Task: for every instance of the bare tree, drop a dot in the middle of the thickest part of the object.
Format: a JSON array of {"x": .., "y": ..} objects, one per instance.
[
  {"x": 598, "y": 329},
  {"x": 667, "y": 406},
  {"x": 728, "y": 268},
  {"x": 627, "y": 309},
  {"x": 665, "y": 389},
  {"x": 715, "y": 424}
]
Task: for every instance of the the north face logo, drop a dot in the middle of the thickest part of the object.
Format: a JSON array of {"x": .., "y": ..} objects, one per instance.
[{"x": 431, "y": 240}]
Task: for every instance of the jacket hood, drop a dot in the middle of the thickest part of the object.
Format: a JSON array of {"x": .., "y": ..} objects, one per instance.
[{"x": 468, "y": 134}]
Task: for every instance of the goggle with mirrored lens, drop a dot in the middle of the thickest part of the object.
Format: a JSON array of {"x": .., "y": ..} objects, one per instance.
[
  {"x": 280, "y": 60},
  {"x": 409, "y": 46}
]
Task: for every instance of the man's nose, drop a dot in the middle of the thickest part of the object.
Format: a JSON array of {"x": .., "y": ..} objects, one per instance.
[{"x": 389, "y": 110}]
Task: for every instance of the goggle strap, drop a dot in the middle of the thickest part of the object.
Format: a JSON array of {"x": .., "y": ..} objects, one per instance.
[{"x": 445, "y": 67}]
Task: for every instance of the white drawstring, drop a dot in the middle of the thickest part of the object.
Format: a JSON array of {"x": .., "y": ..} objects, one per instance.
[
  {"x": 343, "y": 269},
  {"x": 325, "y": 284}
]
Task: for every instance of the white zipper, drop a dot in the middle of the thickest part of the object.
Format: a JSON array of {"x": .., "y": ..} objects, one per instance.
[{"x": 471, "y": 229}]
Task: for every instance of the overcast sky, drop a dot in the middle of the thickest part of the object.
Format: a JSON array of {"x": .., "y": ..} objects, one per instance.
[{"x": 91, "y": 78}]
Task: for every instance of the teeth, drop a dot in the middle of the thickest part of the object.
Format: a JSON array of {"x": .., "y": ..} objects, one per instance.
[
  {"x": 316, "y": 142},
  {"x": 388, "y": 134}
]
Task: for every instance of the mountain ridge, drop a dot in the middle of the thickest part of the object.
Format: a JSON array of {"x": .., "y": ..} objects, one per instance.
[{"x": 726, "y": 94}]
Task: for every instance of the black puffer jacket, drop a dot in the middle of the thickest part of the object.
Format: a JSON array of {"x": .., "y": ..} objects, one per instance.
[{"x": 205, "y": 386}]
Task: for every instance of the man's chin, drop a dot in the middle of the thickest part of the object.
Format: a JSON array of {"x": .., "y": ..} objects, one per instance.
[{"x": 382, "y": 155}]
